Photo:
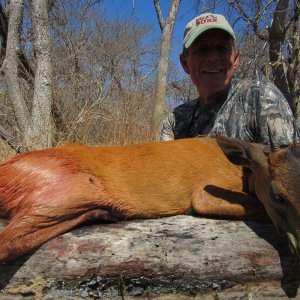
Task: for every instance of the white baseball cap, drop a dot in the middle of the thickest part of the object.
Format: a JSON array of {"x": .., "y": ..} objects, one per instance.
[{"x": 203, "y": 23}]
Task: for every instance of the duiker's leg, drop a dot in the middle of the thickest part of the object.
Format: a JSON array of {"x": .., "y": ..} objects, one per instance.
[
  {"x": 213, "y": 200},
  {"x": 26, "y": 232}
]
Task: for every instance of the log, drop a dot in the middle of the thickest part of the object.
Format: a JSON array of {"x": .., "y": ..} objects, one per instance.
[{"x": 179, "y": 258}]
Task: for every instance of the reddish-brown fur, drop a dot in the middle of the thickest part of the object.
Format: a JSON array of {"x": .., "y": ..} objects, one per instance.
[{"x": 45, "y": 193}]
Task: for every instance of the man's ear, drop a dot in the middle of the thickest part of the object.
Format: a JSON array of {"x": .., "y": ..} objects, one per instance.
[
  {"x": 242, "y": 153},
  {"x": 183, "y": 61},
  {"x": 236, "y": 59}
]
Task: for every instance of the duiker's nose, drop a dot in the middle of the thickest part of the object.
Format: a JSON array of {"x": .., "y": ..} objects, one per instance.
[
  {"x": 298, "y": 247},
  {"x": 294, "y": 243}
]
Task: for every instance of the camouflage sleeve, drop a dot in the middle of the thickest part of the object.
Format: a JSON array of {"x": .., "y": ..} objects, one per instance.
[
  {"x": 274, "y": 113},
  {"x": 167, "y": 132}
]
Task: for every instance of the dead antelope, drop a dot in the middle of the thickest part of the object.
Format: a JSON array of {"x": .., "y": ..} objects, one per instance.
[{"x": 46, "y": 193}]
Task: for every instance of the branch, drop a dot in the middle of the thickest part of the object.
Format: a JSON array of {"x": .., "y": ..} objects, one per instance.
[
  {"x": 238, "y": 7},
  {"x": 260, "y": 14},
  {"x": 173, "y": 12},
  {"x": 277, "y": 28},
  {"x": 3, "y": 30},
  {"x": 5, "y": 134},
  {"x": 10, "y": 140},
  {"x": 159, "y": 15},
  {"x": 25, "y": 70},
  {"x": 254, "y": 23},
  {"x": 11, "y": 65}
]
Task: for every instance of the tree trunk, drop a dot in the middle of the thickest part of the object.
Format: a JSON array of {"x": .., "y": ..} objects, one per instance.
[
  {"x": 11, "y": 65},
  {"x": 293, "y": 72},
  {"x": 35, "y": 126},
  {"x": 169, "y": 258},
  {"x": 161, "y": 81},
  {"x": 285, "y": 72},
  {"x": 25, "y": 71},
  {"x": 42, "y": 98},
  {"x": 276, "y": 39}
]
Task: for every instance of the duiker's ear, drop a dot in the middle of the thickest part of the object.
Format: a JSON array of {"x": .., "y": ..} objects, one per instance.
[{"x": 242, "y": 153}]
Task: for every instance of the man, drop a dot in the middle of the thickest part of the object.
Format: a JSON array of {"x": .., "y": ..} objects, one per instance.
[{"x": 250, "y": 110}]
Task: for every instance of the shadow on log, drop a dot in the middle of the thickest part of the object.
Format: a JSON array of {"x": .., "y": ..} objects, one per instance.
[{"x": 170, "y": 258}]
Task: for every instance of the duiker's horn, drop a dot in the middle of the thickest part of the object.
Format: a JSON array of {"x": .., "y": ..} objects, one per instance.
[
  {"x": 272, "y": 146},
  {"x": 296, "y": 135}
]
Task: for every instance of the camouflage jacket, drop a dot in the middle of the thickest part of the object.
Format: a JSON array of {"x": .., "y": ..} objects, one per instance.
[{"x": 243, "y": 112}]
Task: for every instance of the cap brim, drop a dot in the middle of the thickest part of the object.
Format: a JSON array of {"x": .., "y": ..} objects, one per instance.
[{"x": 198, "y": 31}]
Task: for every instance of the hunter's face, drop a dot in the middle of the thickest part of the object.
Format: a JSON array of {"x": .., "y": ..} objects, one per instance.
[{"x": 211, "y": 61}]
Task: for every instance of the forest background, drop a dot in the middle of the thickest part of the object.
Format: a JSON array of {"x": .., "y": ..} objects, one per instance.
[{"x": 107, "y": 72}]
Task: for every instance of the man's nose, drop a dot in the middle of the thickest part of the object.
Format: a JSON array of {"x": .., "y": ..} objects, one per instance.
[
  {"x": 213, "y": 56},
  {"x": 213, "y": 53}
]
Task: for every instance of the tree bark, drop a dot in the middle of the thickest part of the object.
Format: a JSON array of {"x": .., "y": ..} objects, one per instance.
[
  {"x": 11, "y": 64},
  {"x": 168, "y": 258},
  {"x": 42, "y": 98},
  {"x": 293, "y": 72},
  {"x": 277, "y": 35},
  {"x": 25, "y": 70},
  {"x": 34, "y": 126},
  {"x": 161, "y": 80}
]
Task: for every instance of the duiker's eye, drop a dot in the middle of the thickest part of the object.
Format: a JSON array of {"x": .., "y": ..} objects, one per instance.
[{"x": 277, "y": 198}]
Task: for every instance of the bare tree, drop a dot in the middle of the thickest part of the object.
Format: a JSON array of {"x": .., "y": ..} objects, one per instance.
[
  {"x": 34, "y": 124},
  {"x": 161, "y": 81},
  {"x": 293, "y": 70},
  {"x": 25, "y": 68},
  {"x": 103, "y": 74},
  {"x": 284, "y": 20}
]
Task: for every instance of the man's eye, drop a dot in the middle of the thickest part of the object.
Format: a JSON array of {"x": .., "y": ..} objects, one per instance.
[
  {"x": 202, "y": 49},
  {"x": 222, "y": 48}
]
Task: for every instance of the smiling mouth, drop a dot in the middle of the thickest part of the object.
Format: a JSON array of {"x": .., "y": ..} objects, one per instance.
[{"x": 213, "y": 71}]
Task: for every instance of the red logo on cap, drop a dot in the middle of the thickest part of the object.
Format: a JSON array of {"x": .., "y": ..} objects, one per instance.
[{"x": 206, "y": 19}]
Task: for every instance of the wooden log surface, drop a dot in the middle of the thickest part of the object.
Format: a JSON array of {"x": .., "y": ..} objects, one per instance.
[{"x": 181, "y": 257}]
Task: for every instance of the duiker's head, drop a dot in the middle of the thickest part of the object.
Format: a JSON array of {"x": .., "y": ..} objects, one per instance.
[{"x": 276, "y": 179}]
